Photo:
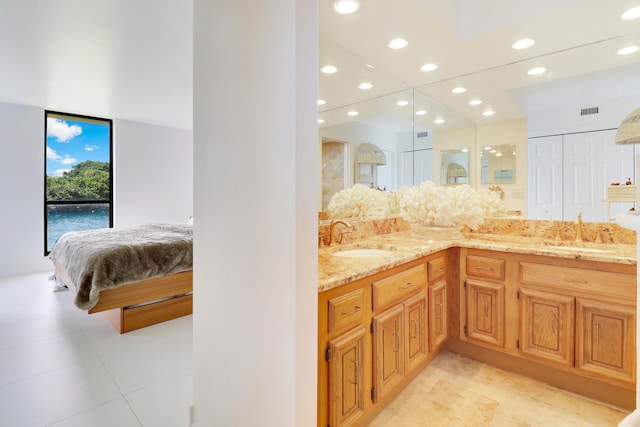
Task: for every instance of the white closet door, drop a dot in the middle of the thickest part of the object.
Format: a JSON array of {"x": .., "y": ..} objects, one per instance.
[
  {"x": 423, "y": 171},
  {"x": 545, "y": 178},
  {"x": 591, "y": 162},
  {"x": 407, "y": 169}
]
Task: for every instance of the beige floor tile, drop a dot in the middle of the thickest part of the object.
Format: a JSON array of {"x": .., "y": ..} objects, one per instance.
[{"x": 456, "y": 391}]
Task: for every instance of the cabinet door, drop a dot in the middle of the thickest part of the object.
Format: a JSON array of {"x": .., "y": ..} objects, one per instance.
[
  {"x": 346, "y": 381},
  {"x": 437, "y": 314},
  {"x": 415, "y": 327},
  {"x": 485, "y": 312},
  {"x": 388, "y": 350},
  {"x": 546, "y": 326},
  {"x": 605, "y": 341}
]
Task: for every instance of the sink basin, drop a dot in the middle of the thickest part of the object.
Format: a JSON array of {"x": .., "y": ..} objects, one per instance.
[{"x": 363, "y": 253}]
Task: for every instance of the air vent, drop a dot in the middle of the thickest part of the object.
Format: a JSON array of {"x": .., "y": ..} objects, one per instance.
[
  {"x": 587, "y": 111},
  {"x": 423, "y": 134}
]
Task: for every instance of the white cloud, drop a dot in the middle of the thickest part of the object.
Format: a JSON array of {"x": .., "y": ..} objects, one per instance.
[
  {"x": 91, "y": 147},
  {"x": 61, "y": 130},
  {"x": 60, "y": 172},
  {"x": 52, "y": 155},
  {"x": 68, "y": 160}
]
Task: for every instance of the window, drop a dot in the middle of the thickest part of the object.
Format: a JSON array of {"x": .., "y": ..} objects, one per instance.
[{"x": 78, "y": 188}]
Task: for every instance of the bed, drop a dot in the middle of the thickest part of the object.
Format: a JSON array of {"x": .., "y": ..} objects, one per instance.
[{"x": 135, "y": 276}]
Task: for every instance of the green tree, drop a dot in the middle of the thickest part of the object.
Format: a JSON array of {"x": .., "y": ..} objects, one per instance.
[{"x": 88, "y": 180}]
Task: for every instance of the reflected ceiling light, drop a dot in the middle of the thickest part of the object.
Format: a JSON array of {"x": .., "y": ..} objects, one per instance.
[
  {"x": 475, "y": 102},
  {"x": 536, "y": 70},
  {"x": 402, "y": 103},
  {"x": 488, "y": 113},
  {"x": 421, "y": 112},
  {"x": 493, "y": 151},
  {"x": 320, "y": 120},
  {"x": 329, "y": 69},
  {"x": 498, "y": 154},
  {"x": 365, "y": 86},
  {"x": 632, "y": 13},
  {"x": 352, "y": 113},
  {"x": 321, "y": 102},
  {"x": 439, "y": 120},
  {"x": 398, "y": 43},
  {"x": 465, "y": 150},
  {"x": 346, "y": 6},
  {"x": 429, "y": 67},
  {"x": 523, "y": 44},
  {"x": 371, "y": 66},
  {"x": 627, "y": 50},
  {"x": 459, "y": 89}
]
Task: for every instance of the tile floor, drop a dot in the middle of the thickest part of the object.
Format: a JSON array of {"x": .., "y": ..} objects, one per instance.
[
  {"x": 60, "y": 367},
  {"x": 457, "y": 391}
]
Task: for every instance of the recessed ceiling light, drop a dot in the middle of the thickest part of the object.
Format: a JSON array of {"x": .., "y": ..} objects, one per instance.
[
  {"x": 465, "y": 150},
  {"x": 475, "y": 102},
  {"x": 488, "y": 113},
  {"x": 346, "y": 6},
  {"x": 488, "y": 148},
  {"x": 498, "y": 154},
  {"x": 329, "y": 69},
  {"x": 523, "y": 44},
  {"x": 320, "y": 120},
  {"x": 459, "y": 89},
  {"x": 429, "y": 67},
  {"x": 536, "y": 70},
  {"x": 632, "y": 13},
  {"x": 421, "y": 112},
  {"x": 439, "y": 120},
  {"x": 321, "y": 102},
  {"x": 402, "y": 103},
  {"x": 493, "y": 151},
  {"x": 365, "y": 86},
  {"x": 398, "y": 43},
  {"x": 628, "y": 50},
  {"x": 352, "y": 113}
]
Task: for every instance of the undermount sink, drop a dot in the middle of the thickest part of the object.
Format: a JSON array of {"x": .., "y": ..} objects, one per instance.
[{"x": 363, "y": 253}]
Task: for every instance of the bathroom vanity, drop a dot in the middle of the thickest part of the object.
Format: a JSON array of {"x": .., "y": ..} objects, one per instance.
[{"x": 549, "y": 310}]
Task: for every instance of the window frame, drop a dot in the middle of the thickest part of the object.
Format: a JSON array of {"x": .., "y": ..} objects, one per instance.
[{"x": 80, "y": 118}]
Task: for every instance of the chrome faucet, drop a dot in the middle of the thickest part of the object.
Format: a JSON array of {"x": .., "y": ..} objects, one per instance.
[
  {"x": 332, "y": 228},
  {"x": 579, "y": 228}
]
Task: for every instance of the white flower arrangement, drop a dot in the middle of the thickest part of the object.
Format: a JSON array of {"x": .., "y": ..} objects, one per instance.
[
  {"x": 426, "y": 204},
  {"x": 361, "y": 201},
  {"x": 429, "y": 204}
]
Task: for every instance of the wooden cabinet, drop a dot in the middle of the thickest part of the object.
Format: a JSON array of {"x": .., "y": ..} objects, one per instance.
[
  {"x": 605, "y": 343},
  {"x": 388, "y": 350},
  {"x": 416, "y": 332},
  {"x": 546, "y": 326},
  {"x": 485, "y": 312},
  {"x": 346, "y": 385},
  {"x": 437, "y": 314}
]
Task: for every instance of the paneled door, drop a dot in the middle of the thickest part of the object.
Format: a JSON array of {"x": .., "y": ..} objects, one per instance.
[{"x": 545, "y": 178}]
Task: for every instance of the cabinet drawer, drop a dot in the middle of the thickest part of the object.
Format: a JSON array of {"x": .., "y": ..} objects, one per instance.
[
  {"x": 492, "y": 268},
  {"x": 398, "y": 286},
  {"x": 436, "y": 268},
  {"x": 602, "y": 283},
  {"x": 346, "y": 310}
]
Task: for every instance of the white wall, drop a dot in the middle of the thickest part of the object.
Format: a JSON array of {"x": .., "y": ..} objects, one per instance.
[
  {"x": 143, "y": 192},
  {"x": 153, "y": 174},
  {"x": 255, "y": 199}
]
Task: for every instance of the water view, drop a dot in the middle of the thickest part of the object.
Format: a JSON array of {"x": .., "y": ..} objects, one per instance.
[{"x": 64, "y": 218}]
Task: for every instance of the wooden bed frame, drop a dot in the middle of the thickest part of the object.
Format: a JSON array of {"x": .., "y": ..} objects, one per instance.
[{"x": 143, "y": 303}]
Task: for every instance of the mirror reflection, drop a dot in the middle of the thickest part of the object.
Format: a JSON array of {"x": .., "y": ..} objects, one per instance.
[
  {"x": 454, "y": 167},
  {"x": 498, "y": 164}
]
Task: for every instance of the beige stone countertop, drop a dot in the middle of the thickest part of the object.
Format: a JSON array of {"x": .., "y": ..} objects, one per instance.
[{"x": 334, "y": 271}]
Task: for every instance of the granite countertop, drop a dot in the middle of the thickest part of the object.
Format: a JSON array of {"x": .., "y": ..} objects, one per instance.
[{"x": 334, "y": 271}]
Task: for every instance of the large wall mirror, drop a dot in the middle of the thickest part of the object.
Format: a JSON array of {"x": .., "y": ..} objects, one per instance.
[{"x": 498, "y": 164}]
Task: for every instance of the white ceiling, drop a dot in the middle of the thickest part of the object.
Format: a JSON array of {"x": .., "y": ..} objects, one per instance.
[
  {"x": 470, "y": 40},
  {"x": 133, "y": 59}
]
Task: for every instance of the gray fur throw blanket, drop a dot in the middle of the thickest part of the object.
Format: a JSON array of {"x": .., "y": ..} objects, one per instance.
[{"x": 96, "y": 260}]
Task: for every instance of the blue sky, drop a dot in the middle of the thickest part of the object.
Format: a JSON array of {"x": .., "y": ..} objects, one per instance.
[{"x": 70, "y": 142}]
